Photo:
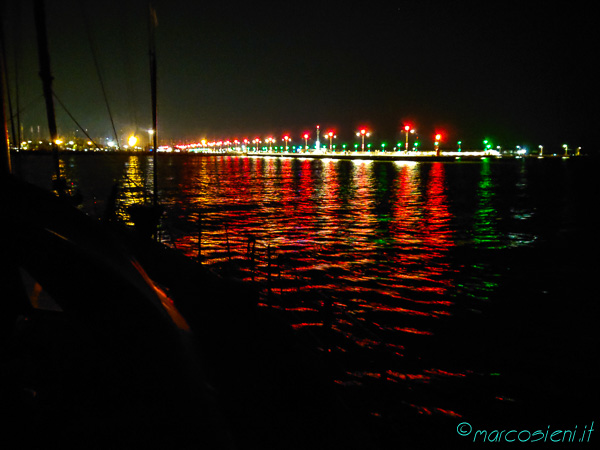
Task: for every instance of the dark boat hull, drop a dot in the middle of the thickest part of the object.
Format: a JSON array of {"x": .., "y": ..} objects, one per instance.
[{"x": 123, "y": 365}]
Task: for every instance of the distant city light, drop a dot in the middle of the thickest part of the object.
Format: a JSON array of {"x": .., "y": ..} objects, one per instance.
[{"x": 400, "y": 144}]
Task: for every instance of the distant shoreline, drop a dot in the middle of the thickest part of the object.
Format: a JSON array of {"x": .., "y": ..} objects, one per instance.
[{"x": 373, "y": 156}]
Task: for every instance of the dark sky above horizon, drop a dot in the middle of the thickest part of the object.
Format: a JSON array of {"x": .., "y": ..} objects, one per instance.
[{"x": 519, "y": 73}]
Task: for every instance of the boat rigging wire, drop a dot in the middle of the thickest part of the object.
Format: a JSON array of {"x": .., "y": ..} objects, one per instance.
[
  {"x": 21, "y": 110},
  {"x": 75, "y": 120},
  {"x": 97, "y": 65}
]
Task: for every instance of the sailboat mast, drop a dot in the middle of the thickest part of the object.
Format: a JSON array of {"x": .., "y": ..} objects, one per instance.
[
  {"x": 45, "y": 74},
  {"x": 153, "y": 94},
  {"x": 5, "y": 168},
  {"x": 6, "y": 83}
]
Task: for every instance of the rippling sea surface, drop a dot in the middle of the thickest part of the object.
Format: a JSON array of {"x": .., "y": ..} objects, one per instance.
[{"x": 442, "y": 292}]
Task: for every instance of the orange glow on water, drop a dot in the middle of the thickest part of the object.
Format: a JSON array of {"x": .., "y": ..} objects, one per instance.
[{"x": 414, "y": 331}]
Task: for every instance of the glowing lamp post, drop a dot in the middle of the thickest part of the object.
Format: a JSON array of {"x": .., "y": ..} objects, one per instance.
[
  {"x": 150, "y": 134},
  {"x": 407, "y": 129},
  {"x": 362, "y": 133},
  {"x": 459, "y": 143},
  {"x": 330, "y": 135},
  {"x": 566, "y": 147},
  {"x": 438, "y": 138},
  {"x": 318, "y": 143},
  {"x": 487, "y": 145},
  {"x": 132, "y": 141},
  {"x": 270, "y": 140},
  {"x": 286, "y": 138},
  {"x": 305, "y": 136}
]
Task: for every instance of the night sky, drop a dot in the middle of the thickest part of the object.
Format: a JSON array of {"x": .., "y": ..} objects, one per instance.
[{"x": 518, "y": 73}]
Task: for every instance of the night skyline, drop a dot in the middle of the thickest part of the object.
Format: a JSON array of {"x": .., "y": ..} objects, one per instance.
[{"x": 515, "y": 73}]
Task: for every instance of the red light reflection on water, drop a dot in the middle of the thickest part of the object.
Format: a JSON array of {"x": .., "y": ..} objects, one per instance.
[
  {"x": 324, "y": 215},
  {"x": 372, "y": 238},
  {"x": 431, "y": 411}
]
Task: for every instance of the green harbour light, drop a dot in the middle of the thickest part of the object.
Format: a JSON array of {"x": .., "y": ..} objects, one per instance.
[{"x": 487, "y": 145}]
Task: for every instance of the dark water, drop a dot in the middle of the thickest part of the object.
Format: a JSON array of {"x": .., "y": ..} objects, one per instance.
[{"x": 443, "y": 292}]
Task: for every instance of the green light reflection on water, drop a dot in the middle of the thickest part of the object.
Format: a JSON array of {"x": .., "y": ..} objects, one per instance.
[{"x": 484, "y": 232}]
